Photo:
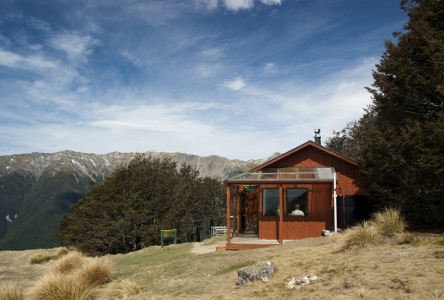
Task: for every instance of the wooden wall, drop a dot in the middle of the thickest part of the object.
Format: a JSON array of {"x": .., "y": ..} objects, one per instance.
[
  {"x": 347, "y": 173},
  {"x": 319, "y": 217}
]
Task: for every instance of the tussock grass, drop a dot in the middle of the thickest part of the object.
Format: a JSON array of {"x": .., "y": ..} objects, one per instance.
[
  {"x": 40, "y": 258},
  {"x": 385, "y": 227},
  {"x": 73, "y": 277},
  {"x": 361, "y": 235},
  {"x": 10, "y": 291},
  {"x": 381, "y": 271},
  {"x": 69, "y": 263},
  {"x": 53, "y": 286},
  {"x": 95, "y": 273},
  {"x": 120, "y": 289},
  {"x": 389, "y": 222}
]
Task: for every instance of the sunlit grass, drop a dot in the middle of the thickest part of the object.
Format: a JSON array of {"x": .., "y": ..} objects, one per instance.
[
  {"x": 73, "y": 277},
  {"x": 10, "y": 291},
  {"x": 361, "y": 235},
  {"x": 389, "y": 222},
  {"x": 45, "y": 257}
]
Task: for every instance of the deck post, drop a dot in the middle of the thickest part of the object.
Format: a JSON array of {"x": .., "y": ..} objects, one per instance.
[
  {"x": 335, "y": 208},
  {"x": 228, "y": 214},
  {"x": 281, "y": 213}
]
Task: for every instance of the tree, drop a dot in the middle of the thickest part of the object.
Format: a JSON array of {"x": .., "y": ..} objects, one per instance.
[
  {"x": 399, "y": 141},
  {"x": 127, "y": 211}
]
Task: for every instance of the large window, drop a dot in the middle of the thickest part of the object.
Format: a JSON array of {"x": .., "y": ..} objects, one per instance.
[
  {"x": 297, "y": 202},
  {"x": 270, "y": 202}
]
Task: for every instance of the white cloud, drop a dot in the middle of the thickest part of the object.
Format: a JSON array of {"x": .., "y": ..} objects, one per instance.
[
  {"x": 132, "y": 58},
  {"x": 207, "y": 70},
  {"x": 211, "y": 53},
  {"x": 36, "y": 62},
  {"x": 40, "y": 24},
  {"x": 269, "y": 68},
  {"x": 238, "y": 4},
  {"x": 75, "y": 45},
  {"x": 234, "y": 84},
  {"x": 208, "y": 5},
  {"x": 272, "y": 2}
]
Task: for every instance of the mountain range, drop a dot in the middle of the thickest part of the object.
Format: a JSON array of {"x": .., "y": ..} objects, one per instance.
[{"x": 37, "y": 189}]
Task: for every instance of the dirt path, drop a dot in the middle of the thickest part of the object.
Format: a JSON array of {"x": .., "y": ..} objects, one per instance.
[{"x": 207, "y": 246}]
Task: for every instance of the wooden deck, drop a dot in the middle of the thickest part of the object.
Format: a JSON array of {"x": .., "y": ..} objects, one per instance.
[{"x": 244, "y": 242}]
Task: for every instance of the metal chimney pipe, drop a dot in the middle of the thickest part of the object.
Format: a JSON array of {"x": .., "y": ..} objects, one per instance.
[{"x": 317, "y": 137}]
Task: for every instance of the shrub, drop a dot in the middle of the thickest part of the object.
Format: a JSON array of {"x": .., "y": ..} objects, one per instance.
[
  {"x": 42, "y": 258},
  {"x": 95, "y": 273},
  {"x": 10, "y": 291},
  {"x": 69, "y": 263},
  {"x": 121, "y": 290},
  {"x": 361, "y": 235},
  {"x": 72, "y": 277},
  {"x": 389, "y": 222},
  {"x": 61, "y": 287}
]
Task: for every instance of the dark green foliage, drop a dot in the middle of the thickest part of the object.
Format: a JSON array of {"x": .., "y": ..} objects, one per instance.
[
  {"x": 13, "y": 189},
  {"x": 127, "y": 211},
  {"x": 39, "y": 205},
  {"x": 399, "y": 141}
]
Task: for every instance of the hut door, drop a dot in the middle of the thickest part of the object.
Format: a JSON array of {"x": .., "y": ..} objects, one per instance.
[{"x": 250, "y": 213}]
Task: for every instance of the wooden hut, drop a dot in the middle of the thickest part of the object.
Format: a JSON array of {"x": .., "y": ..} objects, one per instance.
[{"x": 289, "y": 197}]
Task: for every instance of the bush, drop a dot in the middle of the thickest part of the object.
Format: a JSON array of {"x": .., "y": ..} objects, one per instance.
[
  {"x": 121, "y": 290},
  {"x": 95, "y": 273},
  {"x": 73, "y": 277},
  {"x": 389, "y": 222},
  {"x": 69, "y": 263},
  {"x": 10, "y": 291},
  {"x": 42, "y": 258},
  {"x": 361, "y": 235},
  {"x": 387, "y": 226},
  {"x": 61, "y": 287}
]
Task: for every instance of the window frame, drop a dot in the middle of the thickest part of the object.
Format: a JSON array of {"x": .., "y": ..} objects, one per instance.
[
  {"x": 304, "y": 207},
  {"x": 270, "y": 210}
]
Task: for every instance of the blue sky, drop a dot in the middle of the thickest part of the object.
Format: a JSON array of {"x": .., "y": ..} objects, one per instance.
[{"x": 235, "y": 78}]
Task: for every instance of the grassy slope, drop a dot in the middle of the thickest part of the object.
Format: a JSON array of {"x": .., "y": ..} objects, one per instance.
[
  {"x": 41, "y": 211},
  {"x": 413, "y": 271}
]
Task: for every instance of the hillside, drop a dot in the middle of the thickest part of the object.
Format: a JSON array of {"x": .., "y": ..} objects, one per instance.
[
  {"x": 37, "y": 189},
  {"x": 195, "y": 271}
]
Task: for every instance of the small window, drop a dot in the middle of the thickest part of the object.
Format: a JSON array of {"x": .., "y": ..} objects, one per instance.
[
  {"x": 297, "y": 202},
  {"x": 270, "y": 202}
]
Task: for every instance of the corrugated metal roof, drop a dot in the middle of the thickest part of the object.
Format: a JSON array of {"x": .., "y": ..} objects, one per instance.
[{"x": 288, "y": 174}]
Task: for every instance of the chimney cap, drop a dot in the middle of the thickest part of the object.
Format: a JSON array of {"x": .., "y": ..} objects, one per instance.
[{"x": 317, "y": 136}]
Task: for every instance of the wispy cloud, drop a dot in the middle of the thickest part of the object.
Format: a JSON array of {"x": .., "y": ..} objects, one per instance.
[
  {"x": 236, "y": 5},
  {"x": 184, "y": 76},
  {"x": 31, "y": 62},
  {"x": 234, "y": 84},
  {"x": 271, "y": 2},
  {"x": 208, "y": 5},
  {"x": 76, "y": 46},
  {"x": 40, "y": 24}
]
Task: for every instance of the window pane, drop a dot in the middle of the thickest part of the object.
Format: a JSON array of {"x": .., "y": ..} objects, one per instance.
[
  {"x": 297, "y": 202},
  {"x": 270, "y": 202}
]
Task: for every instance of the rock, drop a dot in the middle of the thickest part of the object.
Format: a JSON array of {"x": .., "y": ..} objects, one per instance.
[
  {"x": 313, "y": 278},
  {"x": 265, "y": 279},
  {"x": 292, "y": 283},
  {"x": 298, "y": 283},
  {"x": 255, "y": 272}
]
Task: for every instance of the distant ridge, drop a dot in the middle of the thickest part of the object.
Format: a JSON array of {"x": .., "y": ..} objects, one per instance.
[{"x": 36, "y": 189}]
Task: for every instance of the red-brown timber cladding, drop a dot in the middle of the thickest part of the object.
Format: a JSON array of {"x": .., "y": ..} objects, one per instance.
[
  {"x": 347, "y": 174},
  {"x": 319, "y": 217}
]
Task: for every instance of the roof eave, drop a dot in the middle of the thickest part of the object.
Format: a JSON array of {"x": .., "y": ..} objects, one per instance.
[
  {"x": 249, "y": 182},
  {"x": 306, "y": 144}
]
